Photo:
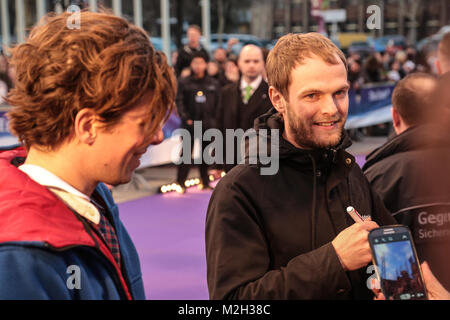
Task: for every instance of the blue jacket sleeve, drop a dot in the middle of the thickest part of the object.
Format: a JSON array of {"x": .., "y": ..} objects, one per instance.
[{"x": 31, "y": 274}]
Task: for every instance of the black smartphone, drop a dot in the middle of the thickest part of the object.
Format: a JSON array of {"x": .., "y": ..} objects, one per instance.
[{"x": 396, "y": 263}]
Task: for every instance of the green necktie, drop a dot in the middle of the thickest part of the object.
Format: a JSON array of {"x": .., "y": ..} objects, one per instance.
[{"x": 248, "y": 93}]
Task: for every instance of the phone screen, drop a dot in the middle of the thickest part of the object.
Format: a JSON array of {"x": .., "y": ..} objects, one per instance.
[{"x": 398, "y": 268}]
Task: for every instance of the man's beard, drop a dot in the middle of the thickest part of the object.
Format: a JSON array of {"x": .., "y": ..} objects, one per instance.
[{"x": 303, "y": 133}]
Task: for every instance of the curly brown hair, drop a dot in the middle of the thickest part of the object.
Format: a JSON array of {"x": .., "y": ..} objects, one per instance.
[{"x": 107, "y": 65}]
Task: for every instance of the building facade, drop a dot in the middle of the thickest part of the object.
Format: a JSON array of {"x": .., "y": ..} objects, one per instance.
[{"x": 414, "y": 19}]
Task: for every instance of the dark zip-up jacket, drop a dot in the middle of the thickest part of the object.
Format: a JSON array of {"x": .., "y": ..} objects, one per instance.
[
  {"x": 407, "y": 169},
  {"x": 235, "y": 114},
  {"x": 411, "y": 173},
  {"x": 198, "y": 100},
  {"x": 185, "y": 55},
  {"x": 269, "y": 236}
]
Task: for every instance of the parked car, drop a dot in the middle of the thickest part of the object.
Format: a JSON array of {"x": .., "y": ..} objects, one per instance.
[
  {"x": 158, "y": 44},
  {"x": 363, "y": 48},
  {"x": 271, "y": 44},
  {"x": 394, "y": 42},
  {"x": 433, "y": 40},
  {"x": 12, "y": 40},
  {"x": 243, "y": 39},
  {"x": 345, "y": 39},
  {"x": 444, "y": 30},
  {"x": 429, "y": 43},
  {"x": 377, "y": 44},
  {"x": 336, "y": 42}
]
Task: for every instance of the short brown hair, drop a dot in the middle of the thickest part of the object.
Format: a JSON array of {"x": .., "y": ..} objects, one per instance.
[
  {"x": 107, "y": 65},
  {"x": 291, "y": 50},
  {"x": 195, "y": 27},
  {"x": 412, "y": 100}
]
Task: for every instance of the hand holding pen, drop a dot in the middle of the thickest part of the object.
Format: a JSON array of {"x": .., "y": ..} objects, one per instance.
[{"x": 356, "y": 216}]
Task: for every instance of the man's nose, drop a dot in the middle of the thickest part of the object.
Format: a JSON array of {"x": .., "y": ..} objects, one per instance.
[
  {"x": 329, "y": 106},
  {"x": 158, "y": 137}
]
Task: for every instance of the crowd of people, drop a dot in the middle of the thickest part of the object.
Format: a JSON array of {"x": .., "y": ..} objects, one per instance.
[
  {"x": 224, "y": 92},
  {"x": 392, "y": 65},
  {"x": 87, "y": 104}
]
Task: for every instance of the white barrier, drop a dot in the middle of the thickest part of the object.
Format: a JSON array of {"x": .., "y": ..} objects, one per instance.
[{"x": 370, "y": 118}]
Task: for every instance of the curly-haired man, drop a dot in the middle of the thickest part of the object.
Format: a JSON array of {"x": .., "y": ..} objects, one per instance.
[{"x": 87, "y": 104}]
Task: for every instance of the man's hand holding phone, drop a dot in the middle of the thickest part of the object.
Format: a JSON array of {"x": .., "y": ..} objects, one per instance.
[
  {"x": 434, "y": 288},
  {"x": 396, "y": 262},
  {"x": 352, "y": 245}
]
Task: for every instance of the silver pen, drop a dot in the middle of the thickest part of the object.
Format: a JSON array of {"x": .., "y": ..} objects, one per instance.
[{"x": 354, "y": 214}]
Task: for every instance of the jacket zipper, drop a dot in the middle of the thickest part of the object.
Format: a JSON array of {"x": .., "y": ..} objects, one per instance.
[{"x": 114, "y": 271}]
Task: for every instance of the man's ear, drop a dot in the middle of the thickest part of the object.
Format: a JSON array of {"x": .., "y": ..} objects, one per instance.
[
  {"x": 396, "y": 120},
  {"x": 438, "y": 66},
  {"x": 277, "y": 100},
  {"x": 86, "y": 126}
]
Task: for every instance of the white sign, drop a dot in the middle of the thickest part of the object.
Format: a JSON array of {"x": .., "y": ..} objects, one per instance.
[{"x": 335, "y": 15}]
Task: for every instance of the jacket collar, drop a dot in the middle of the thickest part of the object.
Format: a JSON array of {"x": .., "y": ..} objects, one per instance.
[
  {"x": 24, "y": 203},
  {"x": 48, "y": 179},
  {"x": 74, "y": 199}
]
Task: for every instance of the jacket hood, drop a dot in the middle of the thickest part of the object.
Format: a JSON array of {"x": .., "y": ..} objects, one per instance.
[
  {"x": 421, "y": 137},
  {"x": 23, "y": 202},
  {"x": 273, "y": 120}
]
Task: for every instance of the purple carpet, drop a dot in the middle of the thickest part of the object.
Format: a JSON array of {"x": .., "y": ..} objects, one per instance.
[
  {"x": 168, "y": 232},
  {"x": 360, "y": 160}
]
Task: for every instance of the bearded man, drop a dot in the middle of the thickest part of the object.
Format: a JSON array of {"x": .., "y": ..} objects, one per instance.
[{"x": 287, "y": 235}]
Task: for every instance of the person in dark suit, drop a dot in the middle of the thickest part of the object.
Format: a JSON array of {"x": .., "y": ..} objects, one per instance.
[
  {"x": 197, "y": 99},
  {"x": 191, "y": 49},
  {"x": 246, "y": 100}
]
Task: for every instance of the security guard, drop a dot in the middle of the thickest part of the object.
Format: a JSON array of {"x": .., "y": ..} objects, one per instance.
[{"x": 197, "y": 100}]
